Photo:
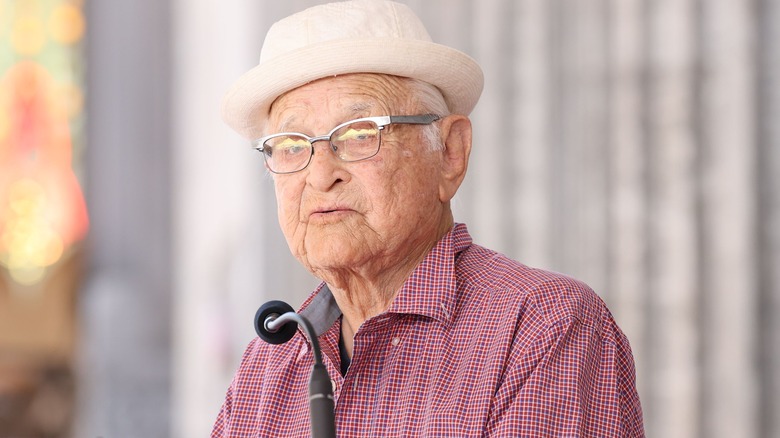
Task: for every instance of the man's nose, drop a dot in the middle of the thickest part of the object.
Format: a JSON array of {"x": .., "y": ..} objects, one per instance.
[
  {"x": 322, "y": 149},
  {"x": 325, "y": 169}
]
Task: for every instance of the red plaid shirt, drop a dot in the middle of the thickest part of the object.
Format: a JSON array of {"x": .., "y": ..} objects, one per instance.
[{"x": 474, "y": 344}]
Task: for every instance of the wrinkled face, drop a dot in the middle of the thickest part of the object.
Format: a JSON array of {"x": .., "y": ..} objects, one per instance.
[{"x": 357, "y": 215}]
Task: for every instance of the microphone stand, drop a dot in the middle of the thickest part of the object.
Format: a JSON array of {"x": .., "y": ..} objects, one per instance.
[{"x": 276, "y": 322}]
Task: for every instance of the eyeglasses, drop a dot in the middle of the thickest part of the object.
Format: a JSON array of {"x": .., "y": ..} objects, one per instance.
[{"x": 356, "y": 140}]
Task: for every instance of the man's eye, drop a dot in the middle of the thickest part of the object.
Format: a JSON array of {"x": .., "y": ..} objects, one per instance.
[
  {"x": 357, "y": 135},
  {"x": 292, "y": 147}
]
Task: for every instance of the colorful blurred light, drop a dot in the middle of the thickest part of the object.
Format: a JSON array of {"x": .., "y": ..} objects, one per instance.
[{"x": 42, "y": 209}]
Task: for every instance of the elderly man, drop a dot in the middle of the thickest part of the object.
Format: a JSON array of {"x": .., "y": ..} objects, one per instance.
[{"x": 362, "y": 122}]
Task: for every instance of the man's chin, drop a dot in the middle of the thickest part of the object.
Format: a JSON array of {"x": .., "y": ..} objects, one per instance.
[{"x": 336, "y": 258}]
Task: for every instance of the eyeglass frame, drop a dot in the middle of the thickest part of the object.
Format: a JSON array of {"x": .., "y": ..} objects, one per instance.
[{"x": 381, "y": 122}]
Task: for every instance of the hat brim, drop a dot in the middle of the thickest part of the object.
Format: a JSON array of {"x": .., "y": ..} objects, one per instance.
[{"x": 246, "y": 105}]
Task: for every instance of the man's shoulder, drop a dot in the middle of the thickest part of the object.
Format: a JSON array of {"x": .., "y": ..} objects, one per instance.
[{"x": 503, "y": 283}]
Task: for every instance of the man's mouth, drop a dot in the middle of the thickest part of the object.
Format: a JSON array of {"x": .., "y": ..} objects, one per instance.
[
  {"x": 329, "y": 212},
  {"x": 331, "y": 209}
]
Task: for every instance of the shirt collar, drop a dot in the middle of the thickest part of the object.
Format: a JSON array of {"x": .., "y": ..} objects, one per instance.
[
  {"x": 321, "y": 309},
  {"x": 429, "y": 291}
]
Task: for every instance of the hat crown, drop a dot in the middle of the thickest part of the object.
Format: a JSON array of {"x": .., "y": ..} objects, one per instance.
[
  {"x": 356, "y": 36},
  {"x": 350, "y": 20}
]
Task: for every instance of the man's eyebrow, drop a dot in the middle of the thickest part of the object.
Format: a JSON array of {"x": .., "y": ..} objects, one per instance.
[
  {"x": 356, "y": 108},
  {"x": 361, "y": 107},
  {"x": 285, "y": 123}
]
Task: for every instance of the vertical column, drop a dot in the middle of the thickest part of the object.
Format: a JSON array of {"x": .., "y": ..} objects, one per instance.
[
  {"x": 529, "y": 132},
  {"x": 490, "y": 139},
  {"x": 672, "y": 228},
  {"x": 125, "y": 360},
  {"x": 628, "y": 203},
  {"x": 768, "y": 95},
  {"x": 728, "y": 256},
  {"x": 580, "y": 167},
  {"x": 218, "y": 185}
]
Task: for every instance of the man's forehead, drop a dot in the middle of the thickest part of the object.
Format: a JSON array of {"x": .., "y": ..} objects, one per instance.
[
  {"x": 342, "y": 97},
  {"x": 291, "y": 117}
]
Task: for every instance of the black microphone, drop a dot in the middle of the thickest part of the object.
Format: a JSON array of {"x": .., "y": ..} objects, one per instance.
[{"x": 276, "y": 323}]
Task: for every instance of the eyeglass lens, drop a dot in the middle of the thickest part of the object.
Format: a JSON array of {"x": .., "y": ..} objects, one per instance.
[{"x": 352, "y": 142}]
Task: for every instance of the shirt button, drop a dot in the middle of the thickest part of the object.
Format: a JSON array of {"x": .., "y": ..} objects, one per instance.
[{"x": 396, "y": 340}]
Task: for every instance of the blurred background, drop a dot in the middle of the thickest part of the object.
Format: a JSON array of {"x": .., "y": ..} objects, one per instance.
[{"x": 634, "y": 144}]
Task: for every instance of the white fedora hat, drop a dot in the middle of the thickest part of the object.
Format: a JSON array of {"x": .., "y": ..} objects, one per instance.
[{"x": 360, "y": 36}]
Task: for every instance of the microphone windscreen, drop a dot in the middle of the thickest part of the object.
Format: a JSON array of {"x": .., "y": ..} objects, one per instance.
[{"x": 285, "y": 332}]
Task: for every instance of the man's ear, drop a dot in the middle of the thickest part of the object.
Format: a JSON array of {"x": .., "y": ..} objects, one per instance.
[{"x": 456, "y": 135}]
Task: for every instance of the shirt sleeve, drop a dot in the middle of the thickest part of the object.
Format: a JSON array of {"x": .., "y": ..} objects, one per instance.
[
  {"x": 221, "y": 427},
  {"x": 575, "y": 379}
]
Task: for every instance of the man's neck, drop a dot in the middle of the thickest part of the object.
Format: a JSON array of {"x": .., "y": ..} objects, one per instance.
[{"x": 361, "y": 298}]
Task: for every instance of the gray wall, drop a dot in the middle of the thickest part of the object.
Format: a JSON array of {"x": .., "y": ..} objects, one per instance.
[{"x": 124, "y": 376}]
